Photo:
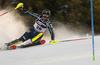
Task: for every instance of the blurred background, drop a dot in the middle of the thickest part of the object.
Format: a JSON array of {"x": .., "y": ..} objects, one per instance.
[{"x": 74, "y": 14}]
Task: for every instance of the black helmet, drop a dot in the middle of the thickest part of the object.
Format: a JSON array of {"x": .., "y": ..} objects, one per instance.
[{"x": 47, "y": 12}]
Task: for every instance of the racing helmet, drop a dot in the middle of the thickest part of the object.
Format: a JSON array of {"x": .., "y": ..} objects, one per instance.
[{"x": 46, "y": 13}]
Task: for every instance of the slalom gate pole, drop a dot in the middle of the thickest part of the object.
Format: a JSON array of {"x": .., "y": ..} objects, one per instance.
[
  {"x": 7, "y": 12},
  {"x": 75, "y": 39},
  {"x": 92, "y": 29}
]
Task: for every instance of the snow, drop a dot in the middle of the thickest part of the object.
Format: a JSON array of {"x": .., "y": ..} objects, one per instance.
[{"x": 67, "y": 53}]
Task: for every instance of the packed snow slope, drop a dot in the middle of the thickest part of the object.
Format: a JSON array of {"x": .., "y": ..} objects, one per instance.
[{"x": 67, "y": 53}]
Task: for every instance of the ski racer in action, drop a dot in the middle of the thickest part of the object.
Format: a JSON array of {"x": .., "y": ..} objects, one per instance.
[{"x": 36, "y": 32}]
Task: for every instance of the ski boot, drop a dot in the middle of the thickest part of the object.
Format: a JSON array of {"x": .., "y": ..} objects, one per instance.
[
  {"x": 11, "y": 45},
  {"x": 41, "y": 42}
]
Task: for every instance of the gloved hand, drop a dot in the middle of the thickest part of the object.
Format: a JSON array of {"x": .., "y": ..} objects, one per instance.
[
  {"x": 53, "y": 42},
  {"x": 20, "y": 6}
]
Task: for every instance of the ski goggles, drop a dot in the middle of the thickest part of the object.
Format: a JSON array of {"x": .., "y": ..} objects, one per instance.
[{"x": 45, "y": 15}]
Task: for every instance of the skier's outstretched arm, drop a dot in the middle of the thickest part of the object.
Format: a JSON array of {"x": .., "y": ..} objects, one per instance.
[
  {"x": 21, "y": 6},
  {"x": 35, "y": 15},
  {"x": 51, "y": 31},
  {"x": 53, "y": 41}
]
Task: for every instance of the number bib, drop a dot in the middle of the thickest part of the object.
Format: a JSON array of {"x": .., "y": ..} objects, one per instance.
[{"x": 39, "y": 28}]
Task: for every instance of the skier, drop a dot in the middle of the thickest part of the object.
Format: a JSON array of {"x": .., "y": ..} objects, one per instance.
[{"x": 36, "y": 32}]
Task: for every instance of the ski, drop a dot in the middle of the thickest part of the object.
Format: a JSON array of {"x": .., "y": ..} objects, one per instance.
[
  {"x": 28, "y": 44},
  {"x": 41, "y": 42}
]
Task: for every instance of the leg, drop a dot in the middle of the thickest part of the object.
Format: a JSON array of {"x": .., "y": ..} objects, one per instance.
[
  {"x": 37, "y": 37},
  {"x": 15, "y": 42},
  {"x": 35, "y": 40},
  {"x": 11, "y": 45},
  {"x": 32, "y": 34},
  {"x": 20, "y": 40},
  {"x": 27, "y": 35}
]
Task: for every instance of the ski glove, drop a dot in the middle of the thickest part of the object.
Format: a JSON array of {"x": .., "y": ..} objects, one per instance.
[
  {"x": 20, "y": 6},
  {"x": 53, "y": 42}
]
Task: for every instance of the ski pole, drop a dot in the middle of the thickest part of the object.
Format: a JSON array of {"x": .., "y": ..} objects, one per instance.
[
  {"x": 75, "y": 39},
  {"x": 55, "y": 42},
  {"x": 7, "y": 12},
  {"x": 20, "y": 4}
]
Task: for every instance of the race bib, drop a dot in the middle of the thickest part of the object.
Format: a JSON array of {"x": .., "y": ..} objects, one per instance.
[{"x": 39, "y": 28}]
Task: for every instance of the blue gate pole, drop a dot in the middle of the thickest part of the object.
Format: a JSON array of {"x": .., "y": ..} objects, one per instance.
[{"x": 92, "y": 29}]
